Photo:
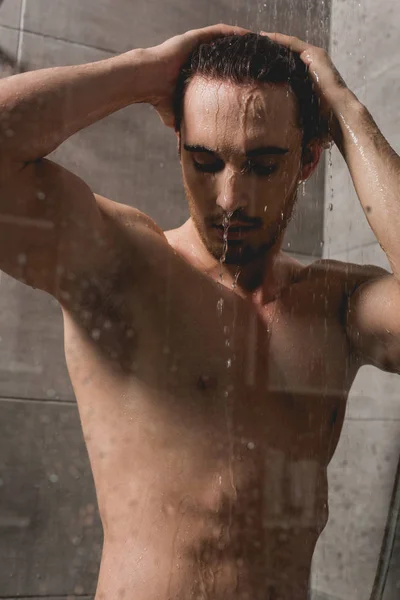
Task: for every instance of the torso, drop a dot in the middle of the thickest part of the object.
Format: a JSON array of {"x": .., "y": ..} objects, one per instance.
[{"x": 209, "y": 427}]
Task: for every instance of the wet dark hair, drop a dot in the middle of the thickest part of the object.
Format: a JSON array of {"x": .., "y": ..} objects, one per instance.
[{"x": 250, "y": 58}]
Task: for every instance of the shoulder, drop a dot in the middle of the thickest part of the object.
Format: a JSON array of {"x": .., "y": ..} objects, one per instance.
[
  {"x": 125, "y": 215},
  {"x": 345, "y": 275},
  {"x": 326, "y": 285}
]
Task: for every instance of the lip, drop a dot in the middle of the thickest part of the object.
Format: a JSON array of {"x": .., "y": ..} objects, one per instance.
[{"x": 235, "y": 231}]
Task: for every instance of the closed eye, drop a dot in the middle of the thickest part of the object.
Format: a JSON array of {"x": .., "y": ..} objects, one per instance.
[
  {"x": 210, "y": 167},
  {"x": 215, "y": 167},
  {"x": 261, "y": 170}
]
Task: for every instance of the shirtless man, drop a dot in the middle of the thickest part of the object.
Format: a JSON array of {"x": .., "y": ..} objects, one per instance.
[{"x": 211, "y": 374}]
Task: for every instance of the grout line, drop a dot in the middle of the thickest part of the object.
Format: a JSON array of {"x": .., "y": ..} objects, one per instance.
[
  {"x": 380, "y": 419},
  {"x": 36, "y": 597},
  {"x": 73, "y": 402},
  {"x": 21, "y": 31},
  {"x": 65, "y": 40},
  {"x": 355, "y": 248},
  {"x": 22, "y": 400}
]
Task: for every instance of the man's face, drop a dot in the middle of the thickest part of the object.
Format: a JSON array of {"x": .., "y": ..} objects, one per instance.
[{"x": 240, "y": 156}]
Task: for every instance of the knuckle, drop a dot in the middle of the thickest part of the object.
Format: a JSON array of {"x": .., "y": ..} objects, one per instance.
[{"x": 321, "y": 52}]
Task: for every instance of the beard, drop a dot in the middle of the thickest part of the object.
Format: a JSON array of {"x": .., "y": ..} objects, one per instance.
[{"x": 242, "y": 252}]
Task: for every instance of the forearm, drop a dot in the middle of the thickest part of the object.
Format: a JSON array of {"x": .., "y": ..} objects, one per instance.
[
  {"x": 40, "y": 109},
  {"x": 375, "y": 170}
]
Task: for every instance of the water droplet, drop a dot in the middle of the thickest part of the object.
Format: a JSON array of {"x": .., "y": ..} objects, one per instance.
[
  {"x": 251, "y": 445},
  {"x": 330, "y": 207},
  {"x": 53, "y": 478},
  {"x": 96, "y": 334},
  {"x": 40, "y": 195},
  {"x": 220, "y": 306}
]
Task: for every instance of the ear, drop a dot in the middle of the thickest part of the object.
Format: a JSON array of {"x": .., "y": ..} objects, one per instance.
[{"x": 311, "y": 158}]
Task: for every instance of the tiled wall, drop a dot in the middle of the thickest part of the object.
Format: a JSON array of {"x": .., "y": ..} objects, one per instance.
[{"x": 364, "y": 47}]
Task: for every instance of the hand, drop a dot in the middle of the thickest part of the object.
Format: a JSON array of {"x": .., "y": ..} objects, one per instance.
[
  {"x": 328, "y": 83},
  {"x": 169, "y": 58}
]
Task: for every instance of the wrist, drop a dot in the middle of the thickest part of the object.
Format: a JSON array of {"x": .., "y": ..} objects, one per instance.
[
  {"x": 345, "y": 103},
  {"x": 138, "y": 74}
]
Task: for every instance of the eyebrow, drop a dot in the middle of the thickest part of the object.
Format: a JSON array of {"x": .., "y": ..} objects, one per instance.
[{"x": 261, "y": 151}]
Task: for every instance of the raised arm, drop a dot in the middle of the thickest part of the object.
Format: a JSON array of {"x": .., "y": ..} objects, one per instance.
[{"x": 51, "y": 223}]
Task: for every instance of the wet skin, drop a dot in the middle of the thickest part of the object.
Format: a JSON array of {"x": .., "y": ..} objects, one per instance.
[{"x": 211, "y": 410}]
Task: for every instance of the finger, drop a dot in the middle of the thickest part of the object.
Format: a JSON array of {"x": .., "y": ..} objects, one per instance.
[
  {"x": 291, "y": 42},
  {"x": 213, "y": 31}
]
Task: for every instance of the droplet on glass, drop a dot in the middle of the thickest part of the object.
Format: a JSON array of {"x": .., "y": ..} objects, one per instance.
[{"x": 96, "y": 334}]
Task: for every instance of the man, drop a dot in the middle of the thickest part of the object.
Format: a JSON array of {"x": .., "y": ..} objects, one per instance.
[{"x": 211, "y": 370}]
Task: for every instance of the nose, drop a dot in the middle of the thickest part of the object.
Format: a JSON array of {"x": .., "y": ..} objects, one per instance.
[{"x": 233, "y": 193}]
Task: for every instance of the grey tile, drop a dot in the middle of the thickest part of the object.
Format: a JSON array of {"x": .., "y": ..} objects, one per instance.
[
  {"x": 374, "y": 395},
  {"x": 39, "y": 52},
  {"x": 51, "y": 536},
  {"x": 363, "y": 35},
  {"x": 317, "y": 595},
  {"x": 10, "y": 12},
  {"x": 345, "y": 224},
  {"x": 117, "y": 24},
  {"x": 361, "y": 479},
  {"x": 364, "y": 47},
  {"x": 8, "y": 51},
  {"x": 380, "y": 95},
  {"x": 392, "y": 586},
  {"x": 32, "y": 360},
  {"x": 370, "y": 254},
  {"x": 120, "y": 25},
  {"x": 304, "y": 234}
]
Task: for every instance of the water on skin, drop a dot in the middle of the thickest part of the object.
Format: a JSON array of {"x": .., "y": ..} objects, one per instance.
[{"x": 250, "y": 105}]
